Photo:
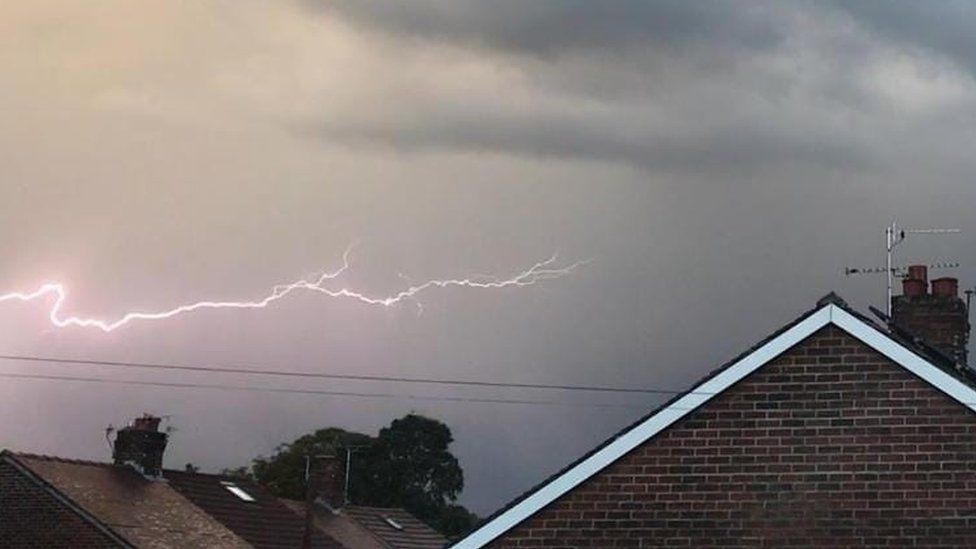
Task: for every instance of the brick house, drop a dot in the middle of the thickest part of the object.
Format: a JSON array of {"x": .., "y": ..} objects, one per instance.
[
  {"x": 51, "y": 502},
  {"x": 836, "y": 431}
]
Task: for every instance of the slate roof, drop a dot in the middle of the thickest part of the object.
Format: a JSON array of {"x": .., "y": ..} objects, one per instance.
[
  {"x": 183, "y": 510},
  {"x": 143, "y": 512},
  {"x": 265, "y": 522},
  {"x": 412, "y": 534},
  {"x": 338, "y": 526},
  {"x": 368, "y": 528},
  {"x": 33, "y": 515},
  {"x": 118, "y": 507}
]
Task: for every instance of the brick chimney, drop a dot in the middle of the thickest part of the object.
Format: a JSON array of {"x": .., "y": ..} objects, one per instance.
[
  {"x": 940, "y": 318},
  {"x": 140, "y": 445},
  {"x": 327, "y": 481},
  {"x": 325, "y": 484}
]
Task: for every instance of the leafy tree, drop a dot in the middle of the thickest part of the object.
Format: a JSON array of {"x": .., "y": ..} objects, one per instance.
[
  {"x": 410, "y": 466},
  {"x": 242, "y": 473},
  {"x": 454, "y": 520},
  {"x": 284, "y": 472},
  {"x": 407, "y": 465}
]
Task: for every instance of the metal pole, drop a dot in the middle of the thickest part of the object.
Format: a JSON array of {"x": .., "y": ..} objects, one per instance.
[
  {"x": 889, "y": 237},
  {"x": 309, "y": 498},
  {"x": 345, "y": 488}
]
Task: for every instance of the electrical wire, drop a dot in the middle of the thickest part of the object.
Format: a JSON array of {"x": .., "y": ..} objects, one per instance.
[
  {"x": 348, "y": 377},
  {"x": 183, "y": 385}
]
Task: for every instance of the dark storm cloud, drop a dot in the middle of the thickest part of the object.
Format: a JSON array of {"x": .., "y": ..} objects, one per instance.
[
  {"x": 947, "y": 28},
  {"x": 725, "y": 100},
  {"x": 554, "y": 27},
  {"x": 731, "y": 150}
]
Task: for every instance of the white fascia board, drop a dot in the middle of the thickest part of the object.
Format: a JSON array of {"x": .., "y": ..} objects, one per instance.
[
  {"x": 900, "y": 355},
  {"x": 645, "y": 430}
]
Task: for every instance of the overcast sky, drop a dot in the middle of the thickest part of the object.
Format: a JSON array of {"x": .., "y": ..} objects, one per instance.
[{"x": 720, "y": 163}]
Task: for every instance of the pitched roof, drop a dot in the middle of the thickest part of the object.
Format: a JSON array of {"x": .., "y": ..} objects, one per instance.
[
  {"x": 264, "y": 522},
  {"x": 958, "y": 383},
  {"x": 398, "y": 528},
  {"x": 184, "y": 510},
  {"x": 373, "y": 527},
  {"x": 34, "y": 514},
  {"x": 142, "y": 512}
]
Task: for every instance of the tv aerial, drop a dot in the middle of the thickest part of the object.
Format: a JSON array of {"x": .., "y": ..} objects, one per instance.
[{"x": 894, "y": 236}]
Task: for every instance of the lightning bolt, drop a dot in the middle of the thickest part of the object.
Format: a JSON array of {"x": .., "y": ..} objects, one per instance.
[{"x": 540, "y": 271}]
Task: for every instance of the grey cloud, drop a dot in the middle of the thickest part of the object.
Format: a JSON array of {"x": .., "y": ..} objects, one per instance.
[
  {"x": 735, "y": 150},
  {"x": 552, "y": 27},
  {"x": 729, "y": 104},
  {"x": 719, "y": 75},
  {"x": 948, "y": 28}
]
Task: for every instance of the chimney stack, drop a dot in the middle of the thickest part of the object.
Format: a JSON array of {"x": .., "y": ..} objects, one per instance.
[
  {"x": 327, "y": 481},
  {"x": 140, "y": 446},
  {"x": 940, "y": 318}
]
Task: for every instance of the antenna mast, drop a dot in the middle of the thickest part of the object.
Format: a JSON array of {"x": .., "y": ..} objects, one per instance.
[
  {"x": 893, "y": 237},
  {"x": 896, "y": 237}
]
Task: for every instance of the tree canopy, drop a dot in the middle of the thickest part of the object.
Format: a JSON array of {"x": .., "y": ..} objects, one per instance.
[{"x": 408, "y": 464}]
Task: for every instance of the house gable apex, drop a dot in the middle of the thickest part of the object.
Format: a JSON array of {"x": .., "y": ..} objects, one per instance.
[{"x": 829, "y": 312}]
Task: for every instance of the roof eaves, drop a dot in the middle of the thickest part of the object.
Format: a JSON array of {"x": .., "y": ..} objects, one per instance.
[{"x": 11, "y": 458}]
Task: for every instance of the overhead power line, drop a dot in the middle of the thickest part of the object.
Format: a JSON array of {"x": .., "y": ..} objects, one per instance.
[
  {"x": 348, "y": 377},
  {"x": 82, "y": 379}
]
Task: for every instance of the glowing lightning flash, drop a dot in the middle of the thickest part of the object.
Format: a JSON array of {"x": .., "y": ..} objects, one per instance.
[{"x": 543, "y": 270}]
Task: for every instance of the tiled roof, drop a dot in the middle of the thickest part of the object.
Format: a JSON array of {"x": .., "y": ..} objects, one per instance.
[
  {"x": 265, "y": 522},
  {"x": 143, "y": 512},
  {"x": 183, "y": 510},
  {"x": 35, "y": 516},
  {"x": 339, "y": 526},
  {"x": 373, "y": 527},
  {"x": 384, "y": 522}
]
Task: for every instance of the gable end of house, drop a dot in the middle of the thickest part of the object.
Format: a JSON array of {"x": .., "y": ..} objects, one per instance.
[{"x": 831, "y": 314}]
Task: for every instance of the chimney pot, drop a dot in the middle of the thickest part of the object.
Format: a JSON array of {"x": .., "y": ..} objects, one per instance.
[
  {"x": 141, "y": 446},
  {"x": 945, "y": 287},
  {"x": 919, "y": 272},
  {"x": 940, "y": 319},
  {"x": 911, "y": 287},
  {"x": 147, "y": 422}
]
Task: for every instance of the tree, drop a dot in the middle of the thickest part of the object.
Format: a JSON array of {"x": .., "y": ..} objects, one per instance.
[
  {"x": 410, "y": 466},
  {"x": 284, "y": 472},
  {"x": 407, "y": 465}
]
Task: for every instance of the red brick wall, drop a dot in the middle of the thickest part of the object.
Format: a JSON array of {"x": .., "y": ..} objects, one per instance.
[
  {"x": 830, "y": 445},
  {"x": 942, "y": 322},
  {"x": 31, "y": 518}
]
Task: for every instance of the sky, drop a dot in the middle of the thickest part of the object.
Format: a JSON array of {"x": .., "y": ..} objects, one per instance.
[{"x": 717, "y": 164}]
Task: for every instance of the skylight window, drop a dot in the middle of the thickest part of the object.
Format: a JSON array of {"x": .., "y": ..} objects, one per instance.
[
  {"x": 393, "y": 524},
  {"x": 237, "y": 491}
]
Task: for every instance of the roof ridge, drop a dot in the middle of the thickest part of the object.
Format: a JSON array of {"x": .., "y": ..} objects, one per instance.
[
  {"x": 78, "y": 461},
  {"x": 832, "y": 298},
  {"x": 59, "y": 459}
]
